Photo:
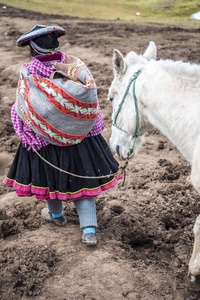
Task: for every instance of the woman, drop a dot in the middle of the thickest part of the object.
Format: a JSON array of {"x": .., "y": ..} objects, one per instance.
[{"x": 58, "y": 119}]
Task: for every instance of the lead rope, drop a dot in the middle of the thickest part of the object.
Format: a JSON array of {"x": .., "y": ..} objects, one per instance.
[{"x": 122, "y": 169}]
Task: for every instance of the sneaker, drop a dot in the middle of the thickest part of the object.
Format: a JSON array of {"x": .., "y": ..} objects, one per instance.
[
  {"x": 89, "y": 239},
  {"x": 61, "y": 221}
]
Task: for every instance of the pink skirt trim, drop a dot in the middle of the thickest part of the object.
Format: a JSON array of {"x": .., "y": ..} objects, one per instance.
[{"x": 42, "y": 193}]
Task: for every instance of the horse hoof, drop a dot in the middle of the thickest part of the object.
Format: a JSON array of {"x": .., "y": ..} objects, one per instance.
[{"x": 192, "y": 288}]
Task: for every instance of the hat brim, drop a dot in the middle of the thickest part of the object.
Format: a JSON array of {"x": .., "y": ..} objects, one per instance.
[{"x": 39, "y": 30}]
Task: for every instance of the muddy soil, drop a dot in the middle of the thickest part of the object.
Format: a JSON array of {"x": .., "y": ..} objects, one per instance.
[{"x": 144, "y": 227}]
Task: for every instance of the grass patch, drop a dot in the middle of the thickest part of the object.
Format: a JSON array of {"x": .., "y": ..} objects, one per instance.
[{"x": 165, "y": 11}]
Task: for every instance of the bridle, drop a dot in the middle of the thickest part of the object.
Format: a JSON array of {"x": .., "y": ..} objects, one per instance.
[{"x": 137, "y": 131}]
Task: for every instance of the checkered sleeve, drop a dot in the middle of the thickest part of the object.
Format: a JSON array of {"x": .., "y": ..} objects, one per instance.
[
  {"x": 98, "y": 126},
  {"x": 28, "y": 137}
]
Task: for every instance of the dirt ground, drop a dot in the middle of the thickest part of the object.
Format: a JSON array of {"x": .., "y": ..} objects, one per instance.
[{"x": 145, "y": 227}]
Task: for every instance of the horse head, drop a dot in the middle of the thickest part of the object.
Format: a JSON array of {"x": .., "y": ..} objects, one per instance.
[{"x": 127, "y": 128}]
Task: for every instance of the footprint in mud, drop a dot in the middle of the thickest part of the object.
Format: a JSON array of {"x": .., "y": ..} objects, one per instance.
[
  {"x": 8, "y": 228},
  {"x": 116, "y": 207},
  {"x": 18, "y": 219},
  {"x": 171, "y": 172}
]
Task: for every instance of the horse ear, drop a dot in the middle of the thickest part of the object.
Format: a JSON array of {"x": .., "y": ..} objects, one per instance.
[
  {"x": 151, "y": 51},
  {"x": 119, "y": 65}
]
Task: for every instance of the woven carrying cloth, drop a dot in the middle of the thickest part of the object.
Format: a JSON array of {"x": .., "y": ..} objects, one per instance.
[
  {"x": 60, "y": 110},
  {"x": 39, "y": 30}
]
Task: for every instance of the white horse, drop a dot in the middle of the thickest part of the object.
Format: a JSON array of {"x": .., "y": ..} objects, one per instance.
[{"x": 163, "y": 94}]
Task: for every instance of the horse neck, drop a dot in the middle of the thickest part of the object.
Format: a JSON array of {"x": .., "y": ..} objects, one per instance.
[{"x": 165, "y": 103}]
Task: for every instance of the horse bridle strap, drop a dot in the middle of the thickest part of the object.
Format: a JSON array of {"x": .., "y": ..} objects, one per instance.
[{"x": 137, "y": 131}]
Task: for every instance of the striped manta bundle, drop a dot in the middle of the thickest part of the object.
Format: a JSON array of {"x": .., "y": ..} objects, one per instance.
[{"x": 61, "y": 109}]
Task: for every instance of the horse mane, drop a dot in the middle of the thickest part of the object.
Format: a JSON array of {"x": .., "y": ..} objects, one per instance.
[
  {"x": 133, "y": 58},
  {"x": 179, "y": 68}
]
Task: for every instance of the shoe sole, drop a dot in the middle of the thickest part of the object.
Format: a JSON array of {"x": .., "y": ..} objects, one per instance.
[{"x": 88, "y": 243}]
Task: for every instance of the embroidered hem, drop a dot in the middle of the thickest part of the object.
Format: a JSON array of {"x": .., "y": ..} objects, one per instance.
[{"x": 42, "y": 193}]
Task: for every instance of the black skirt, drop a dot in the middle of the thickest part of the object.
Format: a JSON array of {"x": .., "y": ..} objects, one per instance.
[{"x": 31, "y": 175}]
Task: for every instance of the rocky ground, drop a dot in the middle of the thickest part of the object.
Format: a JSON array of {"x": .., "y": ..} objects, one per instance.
[{"x": 145, "y": 227}]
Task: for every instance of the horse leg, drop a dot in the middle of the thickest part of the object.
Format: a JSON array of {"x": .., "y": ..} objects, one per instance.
[
  {"x": 192, "y": 284},
  {"x": 194, "y": 264},
  {"x": 195, "y": 173}
]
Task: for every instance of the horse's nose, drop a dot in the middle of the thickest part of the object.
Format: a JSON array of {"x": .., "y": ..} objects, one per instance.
[{"x": 117, "y": 150}]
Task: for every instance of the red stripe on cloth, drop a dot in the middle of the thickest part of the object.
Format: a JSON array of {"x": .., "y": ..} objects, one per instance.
[
  {"x": 60, "y": 106},
  {"x": 72, "y": 138}
]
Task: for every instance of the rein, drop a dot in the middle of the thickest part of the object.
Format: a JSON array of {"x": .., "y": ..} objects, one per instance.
[{"x": 137, "y": 131}]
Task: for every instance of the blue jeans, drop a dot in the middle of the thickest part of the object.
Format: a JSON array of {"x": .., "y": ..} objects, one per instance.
[{"x": 86, "y": 210}]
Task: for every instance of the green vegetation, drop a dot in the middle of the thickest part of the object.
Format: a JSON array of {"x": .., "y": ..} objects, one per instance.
[
  {"x": 162, "y": 11},
  {"x": 122, "y": 249}
]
